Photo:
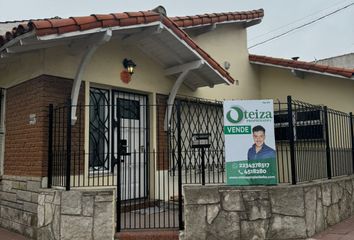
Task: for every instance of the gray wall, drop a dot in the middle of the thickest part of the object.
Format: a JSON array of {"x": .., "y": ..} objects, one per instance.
[
  {"x": 76, "y": 214},
  {"x": 344, "y": 61},
  {"x": 19, "y": 203},
  {"x": 277, "y": 212}
]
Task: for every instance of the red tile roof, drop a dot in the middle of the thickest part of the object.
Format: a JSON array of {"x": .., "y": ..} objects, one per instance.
[
  {"x": 206, "y": 19},
  {"x": 25, "y": 20},
  {"x": 74, "y": 24},
  {"x": 302, "y": 66},
  {"x": 184, "y": 36}
]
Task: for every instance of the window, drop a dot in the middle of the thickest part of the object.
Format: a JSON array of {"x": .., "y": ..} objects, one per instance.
[
  {"x": 129, "y": 109},
  {"x": 281, "y": 125},
  {"x": 99, "y": 129},
  {"x": 307, "y": 123}
]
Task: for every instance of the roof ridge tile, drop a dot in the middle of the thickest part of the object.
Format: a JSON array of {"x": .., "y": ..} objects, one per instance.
[{"x": 102, "y": 17}]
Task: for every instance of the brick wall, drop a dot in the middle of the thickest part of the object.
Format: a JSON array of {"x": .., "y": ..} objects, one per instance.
[
  {"x": 162, "y": 137},
  {"x": 26, "y": 145}
]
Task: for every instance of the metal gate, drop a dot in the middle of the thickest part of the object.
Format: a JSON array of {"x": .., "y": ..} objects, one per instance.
[
  {"x": 148, "y": 181},
  {"x": 130, "y": 132},
  {"x": 174, "y": 162}
]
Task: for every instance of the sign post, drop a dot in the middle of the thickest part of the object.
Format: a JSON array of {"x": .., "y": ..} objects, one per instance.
[
  {"x": 202, "y": 141},
  {"x": 250, "y": 142}
]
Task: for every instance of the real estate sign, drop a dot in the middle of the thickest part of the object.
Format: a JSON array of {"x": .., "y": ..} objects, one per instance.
[{"x": 249, "y": 142}]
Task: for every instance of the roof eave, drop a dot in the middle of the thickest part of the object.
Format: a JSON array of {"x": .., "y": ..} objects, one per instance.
[
  {"x": 245, "y": 23},
  {"x": 38, "y": 40},
  {"x": 301, "y": 69},
  {"x": 17, "y": 40}
]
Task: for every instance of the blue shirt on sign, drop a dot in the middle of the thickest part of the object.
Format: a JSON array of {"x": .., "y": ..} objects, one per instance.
[{"x": 265, "y": 153}]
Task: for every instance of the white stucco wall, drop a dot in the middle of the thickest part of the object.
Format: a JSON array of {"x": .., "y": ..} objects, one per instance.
[
  {"x": 335, "y": 92},
  {"x": 228, "y": 42}
]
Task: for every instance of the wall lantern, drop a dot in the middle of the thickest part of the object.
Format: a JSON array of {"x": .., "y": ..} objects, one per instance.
[{"x": 129, "y": 65}]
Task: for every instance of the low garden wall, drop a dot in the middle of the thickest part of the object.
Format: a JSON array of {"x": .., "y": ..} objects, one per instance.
[
  {"x": 76, "y": 214},
  {"x": 19, "y": 204},
  {"x": 261, "y": 212}
]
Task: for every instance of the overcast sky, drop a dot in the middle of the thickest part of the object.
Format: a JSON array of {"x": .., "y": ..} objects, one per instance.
[{"x": 328, "y": 37}]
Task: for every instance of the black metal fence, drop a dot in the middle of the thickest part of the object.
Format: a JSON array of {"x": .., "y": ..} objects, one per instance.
[
  {"x": 110, "y": 143},
  {"x": 198, "y": 165},
  {"x": 313, "y": 142}
]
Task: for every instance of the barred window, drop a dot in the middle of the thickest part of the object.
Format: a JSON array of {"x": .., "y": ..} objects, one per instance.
[{"x": 308, "y": 125}]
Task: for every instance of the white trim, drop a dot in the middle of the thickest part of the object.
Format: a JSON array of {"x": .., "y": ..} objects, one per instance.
[
  {"x": 224, "y": 22},
  {"x": 16, "y": 40},
  {"x": 183, "y": 67},
  {"x": 80, "y": 70},
  {"x": 95, "y": 30},
  {"x": 172, "y": 96},
  {"x": 143, "y": 33},
  {"x": 301, "y": 70},
  {"x": 21, "y": 39},
  {"x": 25, "y": 48}
]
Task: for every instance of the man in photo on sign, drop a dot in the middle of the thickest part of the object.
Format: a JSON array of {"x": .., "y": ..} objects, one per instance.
[{"x": 259, "y": 149}]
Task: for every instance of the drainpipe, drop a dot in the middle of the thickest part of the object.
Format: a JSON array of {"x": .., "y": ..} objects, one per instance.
[{"x": 84, "y": 61}]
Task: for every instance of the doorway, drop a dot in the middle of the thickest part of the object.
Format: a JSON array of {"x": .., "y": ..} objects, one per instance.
[{"x": 130, "y": 143}]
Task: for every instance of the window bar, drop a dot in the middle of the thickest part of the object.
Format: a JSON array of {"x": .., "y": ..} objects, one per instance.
[
  {"x": 63, "y": 148},
  {"x": 68, "y": 146},
  {"x": 50, "y": 146},
  {"x": 291, "y": 141},
  {"x": 118, "y": 163},
  {"x": 180, "y": 219},
  {"x": 328, "y": 153},
  {"x": 82, "y": 124},
  {"x": 351, "y": 122}
]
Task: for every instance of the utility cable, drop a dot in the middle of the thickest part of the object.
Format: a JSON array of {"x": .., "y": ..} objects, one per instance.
[
  {"x": 298, "y": 20},
  {"x": 301, "y": 26}
]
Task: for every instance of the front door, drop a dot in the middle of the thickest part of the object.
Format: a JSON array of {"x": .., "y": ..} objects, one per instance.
[{"x": 130, "y": 138}]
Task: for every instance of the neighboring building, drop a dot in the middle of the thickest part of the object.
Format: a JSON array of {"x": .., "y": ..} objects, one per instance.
[
  {"x": 343, "y": 61},
  {"x": 318, "y": 84},
  {"x": 129, "y": 119}
]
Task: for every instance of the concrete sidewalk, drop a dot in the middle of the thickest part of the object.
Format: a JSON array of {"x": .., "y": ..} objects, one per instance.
[
  {"x": 340, "y": 231},
  {"x": 7, "y": 235}
]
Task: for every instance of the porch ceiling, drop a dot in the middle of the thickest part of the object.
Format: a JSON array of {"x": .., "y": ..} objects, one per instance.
[
  {"x": 168, "y": 51},
  {"x": 155, "y": 39}
]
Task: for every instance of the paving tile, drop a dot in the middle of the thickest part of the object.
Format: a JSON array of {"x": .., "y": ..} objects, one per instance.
[
  {"x": 340, "y": 231},
  {"x": 330, "y": 237},
  {"x": 7, "y": 235}
]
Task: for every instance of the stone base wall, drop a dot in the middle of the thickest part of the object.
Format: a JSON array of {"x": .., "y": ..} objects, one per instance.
[
  {"x": 76, "y": 214},
  {"x": 277, "y": 212},
  {"x": 19, "y": 203}
]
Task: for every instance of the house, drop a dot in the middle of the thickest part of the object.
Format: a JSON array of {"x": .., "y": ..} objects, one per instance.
[{"x": 122, "y": 133}]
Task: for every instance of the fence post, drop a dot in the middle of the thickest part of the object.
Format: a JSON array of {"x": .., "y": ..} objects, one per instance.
[
  {"x": 179, "y": 164},
  {"x": 119, "y": 155},
  {"x": 291, "y": 141},
  {"x": 351, "y": 122},
  {"x": 50, "y": 145},
  {"x": 203, "y": 166},
  {"x": 68, "y": 145},
  {"x": 328, "y": 150}
]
